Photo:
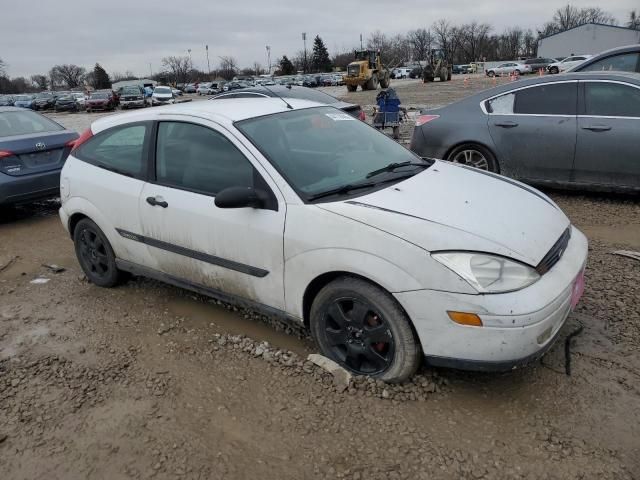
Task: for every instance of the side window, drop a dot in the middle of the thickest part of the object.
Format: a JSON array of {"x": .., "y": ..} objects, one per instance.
[
  {"x": 501, "y": 105},
  {"x": 627, "y": 62},
  {"x": 120, "y": 149},
  {"x": 550, "y": 99},
  {"x": 611, "y": 100},
  {"x": 196, "y": 158}
]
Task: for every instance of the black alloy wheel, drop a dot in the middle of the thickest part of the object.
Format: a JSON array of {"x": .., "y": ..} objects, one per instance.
[
  {"x": 358, "y": 336},
  {"x": 95, "y": 254}
]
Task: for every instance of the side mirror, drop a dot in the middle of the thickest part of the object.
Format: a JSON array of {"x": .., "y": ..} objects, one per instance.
[{"x": 240, "y": 197}]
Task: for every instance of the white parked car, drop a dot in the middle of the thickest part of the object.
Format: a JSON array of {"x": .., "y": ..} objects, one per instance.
[
  {"x": 401, "y": 72},
  {"x": 162, "y": 96},
  {"x": 80, "y": 99},
  {"x": 508, "y": 68},
  {"x": 256, "y": 201},
  {"x": 567, "y": 63},
  {"x": 203, "y": 88}
]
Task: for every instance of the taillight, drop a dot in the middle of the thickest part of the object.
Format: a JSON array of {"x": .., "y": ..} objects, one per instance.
[
  {"x": 422, "y": 119},
  {"x": 86, "y": 135},
  {"x": 70, "y": 143},
  {"x": 5, "y": 153}
]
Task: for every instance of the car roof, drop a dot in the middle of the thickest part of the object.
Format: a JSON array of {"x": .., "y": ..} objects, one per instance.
[
  {"x": 11, "y": 109},
  {"x": 608, "y": 53},
  {"x": 227, "y": 112},
  {"x": 620, "y": 76}
]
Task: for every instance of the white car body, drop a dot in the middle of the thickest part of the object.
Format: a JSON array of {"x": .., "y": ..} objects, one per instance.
[
  {"x": 387, "y": 237},
  {"x": 162, "y": 96},
  {"x": 401, "y": 72},
  {"x": 203, "y": 88},
  {"x": 80, "y": 98},
  {"x": 508, "y": 68},
  {"x": 568, "y": 63}
]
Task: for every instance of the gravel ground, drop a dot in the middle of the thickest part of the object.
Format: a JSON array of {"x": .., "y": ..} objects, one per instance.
[{"x": 150, "y": 381}]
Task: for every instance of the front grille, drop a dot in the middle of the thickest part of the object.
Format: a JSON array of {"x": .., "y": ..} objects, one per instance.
[{"x": 555, "y": 254}]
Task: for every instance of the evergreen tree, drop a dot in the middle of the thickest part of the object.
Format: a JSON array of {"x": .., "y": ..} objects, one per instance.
[
  {"x": 100, "y": 78},
  {"x": 320, "y": 60},
  {"x": 286, "y": 67}
]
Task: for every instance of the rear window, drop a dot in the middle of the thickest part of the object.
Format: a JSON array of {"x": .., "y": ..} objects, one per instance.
[
  {"x": 626, "y": 62},
  {"x": 25, "y": 122}
]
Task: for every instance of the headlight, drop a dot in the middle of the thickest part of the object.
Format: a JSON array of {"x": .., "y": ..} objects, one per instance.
[{"x": 488, "y": 273}]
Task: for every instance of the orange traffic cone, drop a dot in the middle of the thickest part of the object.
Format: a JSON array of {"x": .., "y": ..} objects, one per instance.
[
  {"x": 466, "y": 82},
  {"x": 541, "y": 72}
]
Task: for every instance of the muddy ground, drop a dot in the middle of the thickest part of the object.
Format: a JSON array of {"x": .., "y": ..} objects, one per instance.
[{"x": 150, "y": 381}]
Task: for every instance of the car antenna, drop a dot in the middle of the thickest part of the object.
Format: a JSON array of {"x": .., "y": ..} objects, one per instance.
[{"x": 276, "y": 95}]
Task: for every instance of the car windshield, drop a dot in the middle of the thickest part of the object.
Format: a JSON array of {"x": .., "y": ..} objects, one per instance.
[
  {"x": 162, "y": 90},
  {"x": 44, "y": 95},
  {"x": 22, "y": 98},
  {"x": 99, "y": 95},
  {"x": 322, "y": 149},
  {"x": 131, "y": 91},
  {"x": 25, "y": 122}
]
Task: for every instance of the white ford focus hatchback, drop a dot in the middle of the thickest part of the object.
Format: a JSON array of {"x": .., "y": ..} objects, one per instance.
[{"x": 304, "y": 212}]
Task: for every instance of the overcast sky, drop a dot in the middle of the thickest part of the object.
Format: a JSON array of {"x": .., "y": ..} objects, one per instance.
[{"x": 131, "y": 34}]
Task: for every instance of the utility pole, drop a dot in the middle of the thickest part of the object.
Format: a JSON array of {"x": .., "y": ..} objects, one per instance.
[
  {"x": 150, "y": 71},
  {"x": 269, "y": 59},
  {"x": 304, "y": 40},
  {"x": 208, "y": 65},
  {"x": 360, "y": 41}
]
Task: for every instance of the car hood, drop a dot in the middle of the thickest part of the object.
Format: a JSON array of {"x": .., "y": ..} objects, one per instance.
[
  {"x": 448, "y": 207},
  {"x": 162, "y": 95}
]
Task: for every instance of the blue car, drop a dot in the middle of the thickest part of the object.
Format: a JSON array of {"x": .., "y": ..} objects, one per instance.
[
  {"x": 23, "y": 101},
  {"x": 33, "y": 150}
]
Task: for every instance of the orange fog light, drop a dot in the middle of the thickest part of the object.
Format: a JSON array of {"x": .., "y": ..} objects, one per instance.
[{"x": 464, "y": 318}]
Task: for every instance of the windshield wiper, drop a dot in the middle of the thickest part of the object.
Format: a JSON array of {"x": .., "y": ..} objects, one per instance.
[
  {"x": 392, "y": 166},
  {"x": 342, "y": 190}
]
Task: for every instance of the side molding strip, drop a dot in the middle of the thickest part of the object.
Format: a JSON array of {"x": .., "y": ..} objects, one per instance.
[{"x": 201, "y": 256}]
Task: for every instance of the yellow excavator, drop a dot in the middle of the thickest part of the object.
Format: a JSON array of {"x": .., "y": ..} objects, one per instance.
[
  {"x": 438, "y": 67},
  {"x": 367, "y": 71}
]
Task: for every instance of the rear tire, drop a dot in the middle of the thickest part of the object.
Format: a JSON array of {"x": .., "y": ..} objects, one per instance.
[
  {"x": 352, "y": 88},
  {"x": 385, "y": 80},
  {"x": 372, "y": 84},
  {"x": 362, "y": 328},
  {"x": 396, "y": 133},
  {"x": 95, "y": 255},
  {"x": 476, "y": 156}
]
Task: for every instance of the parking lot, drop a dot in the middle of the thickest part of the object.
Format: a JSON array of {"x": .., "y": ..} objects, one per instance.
[{"x": 151, "y": 381}]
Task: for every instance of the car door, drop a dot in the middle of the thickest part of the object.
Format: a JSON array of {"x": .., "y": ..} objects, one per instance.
[
  {"x": 534, "y": 130},
  {"x": 608, "y": 134},
  {"x": 238, "y": 251},
  {"x": 111, "y": 172}
]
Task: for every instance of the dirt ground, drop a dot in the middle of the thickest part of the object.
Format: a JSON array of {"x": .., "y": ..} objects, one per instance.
[{"x": 150, "y": 381}]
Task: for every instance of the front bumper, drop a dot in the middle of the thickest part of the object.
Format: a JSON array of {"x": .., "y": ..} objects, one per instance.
[
  {"x": 517, "y": 326},
  {"x": 66, "y": 107},
  {"x": 26, "y": 188},
  {"x": 132, "y": 103}
]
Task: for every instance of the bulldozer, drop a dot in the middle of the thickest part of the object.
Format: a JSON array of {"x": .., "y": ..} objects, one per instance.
[
  {"x": 367, "y": 71},
  {"x": 438, "y": 67}
]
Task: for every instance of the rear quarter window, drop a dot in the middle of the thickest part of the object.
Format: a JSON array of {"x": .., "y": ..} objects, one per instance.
[{"x": 122, "y": 149}]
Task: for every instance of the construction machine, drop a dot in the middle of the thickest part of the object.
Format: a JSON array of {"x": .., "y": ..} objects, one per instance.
[
  {"x": 367, "y": 71},
  {"x": 438, "y": 67}
]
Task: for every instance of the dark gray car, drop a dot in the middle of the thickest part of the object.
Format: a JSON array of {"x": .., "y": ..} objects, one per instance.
[
  {"x": 576, "y": 129},
  {"x": 294, "y": 91},
  {"x": 33, "y": 149},
  {"x": 620, "y": 59}
]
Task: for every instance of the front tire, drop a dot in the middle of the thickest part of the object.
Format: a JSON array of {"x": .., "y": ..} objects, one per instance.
[
  {"x": 94, "y": 252},
  {"x": 362, "y": 328},
  {"x": 491, "y": 73},
  {"x": 554, "y": 70},
  {"x": 474, "y": 155}
]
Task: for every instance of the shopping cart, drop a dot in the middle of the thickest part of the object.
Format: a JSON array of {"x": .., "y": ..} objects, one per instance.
[{"x": 389, "y": 113}]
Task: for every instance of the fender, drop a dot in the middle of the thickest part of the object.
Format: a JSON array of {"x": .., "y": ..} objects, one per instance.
[{"x": 303, "y": 268}]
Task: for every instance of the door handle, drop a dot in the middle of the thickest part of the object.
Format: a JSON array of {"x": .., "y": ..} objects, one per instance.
[
  {"x": 506, "y": 124},
  {"x": 157, "y": 201},
  {"x": 597, "y": 128}
]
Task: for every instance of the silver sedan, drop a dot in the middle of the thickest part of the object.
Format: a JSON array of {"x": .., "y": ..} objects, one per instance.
[{"x": 576, "y": 129}]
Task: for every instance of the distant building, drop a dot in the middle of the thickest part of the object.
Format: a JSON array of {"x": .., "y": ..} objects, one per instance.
[
  {"x": 587, "y": 39},
  {"x": 143, "y": 82}
]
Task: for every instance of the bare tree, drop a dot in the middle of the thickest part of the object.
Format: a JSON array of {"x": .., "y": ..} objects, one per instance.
[
  {"x": 473, "y": 40},
  {"x": 68, "y": 74},
  {"x": 529, "y": 44},
  {"x": 3, "y": 68},
  {"x": 510, "y": 43},
  {"x": 379, "y": 41},
  {"x": 40, "y": 81},
  {"x": 420, "y": 41},
  {"x": 228, "y": 67},
  {"x": 178, "y": 68},
  {"x": 446, "y": 36},
  {"x": 341, "y": 60}
]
